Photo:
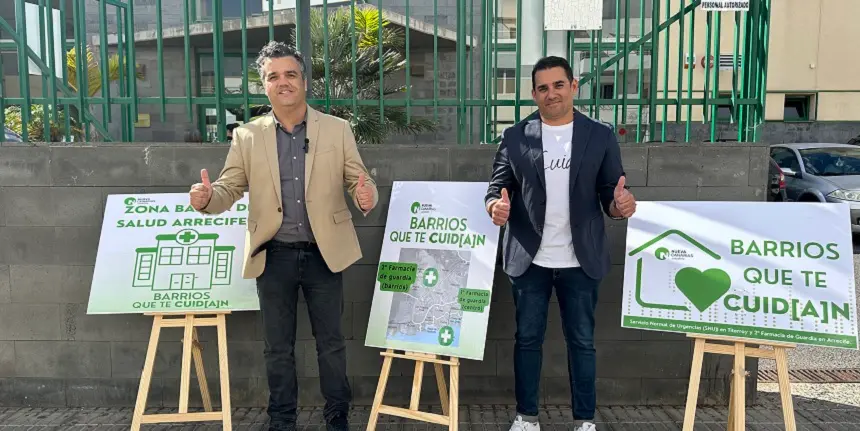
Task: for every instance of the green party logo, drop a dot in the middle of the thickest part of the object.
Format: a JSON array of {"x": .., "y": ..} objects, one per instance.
[
  {"x": 446, "y": 336},
  {"x": 415, "y": 207},
  {"x": 701, "y": 288},
  {"x": 130, "y": 201}
]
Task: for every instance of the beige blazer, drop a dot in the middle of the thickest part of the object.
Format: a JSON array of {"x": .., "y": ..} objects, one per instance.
[{"x": 332, "y": 162}]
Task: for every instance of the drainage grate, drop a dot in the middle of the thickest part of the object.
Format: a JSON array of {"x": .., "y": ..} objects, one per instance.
[{"x": 813, "y": 376}]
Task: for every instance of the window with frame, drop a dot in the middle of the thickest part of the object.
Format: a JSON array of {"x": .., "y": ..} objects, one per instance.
[
  {"x": 170, "y": 256},
  {"x": 785, "y": 158},
  {"x": 199, "y": 255},
  {"x": 797, "y": 108}
]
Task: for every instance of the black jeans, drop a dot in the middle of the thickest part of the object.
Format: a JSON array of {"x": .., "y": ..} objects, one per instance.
[
  {"x": 577, "y": 298},
  {"x": 287, "y": 269}
]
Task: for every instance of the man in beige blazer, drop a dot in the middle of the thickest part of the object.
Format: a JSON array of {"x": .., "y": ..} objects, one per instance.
[{"x": 295, "y": 163}]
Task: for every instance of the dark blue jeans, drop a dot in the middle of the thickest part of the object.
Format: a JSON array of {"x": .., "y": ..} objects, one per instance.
[
  {"x": 577, "y": 298},
  {"x": 286, "y": 270}
]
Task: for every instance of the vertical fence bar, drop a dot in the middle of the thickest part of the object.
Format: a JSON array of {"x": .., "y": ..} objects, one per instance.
[
  {"x": 737, "y": 39},
  {"x": 764, "y": 62},
  {"x": 617, "y": 63},
  {"x": 23, "y": 68},
  {"x": 121, "y": 57},
  {"x": 3, "y": 90},
  {"x": 65, "y": 71},
  {"x": 218, "y": 42},
  {"x": 326, "y": 70},
  {"x": 599, "y": 76},
  {"x": 595, "y": 81},
  {"x": 517, "y": 65},
  {"x": 752, "y": 84},
  {"x": 435, "y": 60},
  {"x": 709, "y": 29},
  {"x": 245, "y": 65},
  {"x": 690, "y": 49},
  {"x": 655, "y": 66},
  {"x": 485, "y": 112},
  {"x": 495, "y": 68},
  {"x": 682, "y": 60},
  {"x": 81, "y": 62},
  {"x": 132, "y": 68},
  {"x": 461, "y": 68},
  {"x": 381, "y": 64},
  {"x": 272, "y": 19},
  {"x": 716, "y": 69},
  {"x": 639, "y": 73},
  {"x": 626, "y": 61},
  {"x": 471, "y": 87},
  {"x": 80, "y": 20},
  {"x": 354, "y": 58},
  {"x": 46, "y": 108},
  {"x": 103, "y": 42},
  {"x": 666, "y": 56},
  {"x": 160, "y": 53},
  {"x": 187, "y": 44},
  {"x": 408, "y": 67}
]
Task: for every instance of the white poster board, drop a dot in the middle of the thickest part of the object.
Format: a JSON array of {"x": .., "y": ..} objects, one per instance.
[
  {"x": 758, "y": 270},
  {"x": 436, "y": 269},
  {"x": 569, "y": 15},
  {"x": 157, "y": 254}
]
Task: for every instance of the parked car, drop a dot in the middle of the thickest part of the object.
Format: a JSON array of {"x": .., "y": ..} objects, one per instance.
[
  {"x": 821, "y": 173},
  {"x": 776, "y": 186},
  {"x": 11, "y": 136}
]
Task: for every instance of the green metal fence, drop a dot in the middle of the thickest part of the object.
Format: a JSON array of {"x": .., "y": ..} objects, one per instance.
[{"x": 645, "y": 80}]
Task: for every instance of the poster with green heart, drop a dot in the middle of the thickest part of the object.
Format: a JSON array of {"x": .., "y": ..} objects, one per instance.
[{"x": 762, "y": 271}]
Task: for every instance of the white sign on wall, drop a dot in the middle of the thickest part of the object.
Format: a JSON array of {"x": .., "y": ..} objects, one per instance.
[
  {"x": 765, "y": 271},
  {"x": 569, "y": 15},
  {"x": 725, "y": 5}
]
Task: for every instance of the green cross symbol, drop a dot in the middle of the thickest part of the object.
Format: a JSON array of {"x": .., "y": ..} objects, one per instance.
[
  {"x": 187, "y": 237},
  {"x": 446, "y": 336},
  {"x": 431, "y": 277}
]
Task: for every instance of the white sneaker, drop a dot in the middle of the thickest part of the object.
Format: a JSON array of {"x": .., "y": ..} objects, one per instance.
[
  {"x": 587, "y": 426},
  {"x": 521, "y": 425}
]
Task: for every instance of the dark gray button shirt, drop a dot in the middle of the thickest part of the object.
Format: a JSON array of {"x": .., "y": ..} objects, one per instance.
[{"x": 291, "y": 158}]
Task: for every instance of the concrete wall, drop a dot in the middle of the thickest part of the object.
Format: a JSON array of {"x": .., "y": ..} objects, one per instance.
[
  {"x": 773, "y": 132},
  {"x": 53, "y": 354}
]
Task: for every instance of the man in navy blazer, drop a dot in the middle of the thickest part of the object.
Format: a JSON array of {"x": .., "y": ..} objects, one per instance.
[{"x": 555, "y": 175}]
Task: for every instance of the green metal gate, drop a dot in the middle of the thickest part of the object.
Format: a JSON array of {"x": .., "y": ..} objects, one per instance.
[{"x": 640, "y": 73}]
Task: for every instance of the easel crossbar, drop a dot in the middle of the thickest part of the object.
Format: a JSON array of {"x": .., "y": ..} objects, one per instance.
[
  {"x": 179, "y": 323},
  {"x": 412, "y": 357},
  {"x": 182, "y": 417},
  {"x": 413, "y": 414},
  {"x": 755, "y": 352}
]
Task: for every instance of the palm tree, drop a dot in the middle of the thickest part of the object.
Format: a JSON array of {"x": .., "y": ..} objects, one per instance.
[
  {"x": 94, "y": 71},
  {"x": 368, "y": 126}
]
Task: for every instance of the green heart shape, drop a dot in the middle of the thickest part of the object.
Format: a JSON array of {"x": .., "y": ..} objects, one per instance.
[{"x": 703, "y": 289}]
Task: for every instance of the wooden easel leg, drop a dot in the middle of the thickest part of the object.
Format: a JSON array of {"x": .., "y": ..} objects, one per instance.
[
  {"x": 197, "y": 355},
  {"x": 732, "y": 394},
  {"x": 417, "y": 380},
  {"x": 695, "y": 378},
  {"x": 185, "y": 382},
  {"x": 380, "y": 392},
  {"x": 443, "y": 390},
  {"x": 739, "y": 403},
  {"x": 454, "y": 409},
  {"x": 226, "y": 408},
  {"x": 784, "y": 388},
  {"x": 146, "y": 375}
]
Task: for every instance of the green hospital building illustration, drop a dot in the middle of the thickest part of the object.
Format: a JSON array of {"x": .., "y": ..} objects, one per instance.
[{"x": 187, "y": 260}]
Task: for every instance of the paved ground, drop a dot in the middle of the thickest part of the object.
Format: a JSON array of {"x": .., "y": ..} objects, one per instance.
[
  {"x": 827, "y": 413},
  {"x": 816, "y": 358}
]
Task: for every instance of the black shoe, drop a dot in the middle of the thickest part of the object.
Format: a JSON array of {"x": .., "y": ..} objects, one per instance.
[
  {"x": 338, "y": 422},
  {"x": 282, "y": 426}
]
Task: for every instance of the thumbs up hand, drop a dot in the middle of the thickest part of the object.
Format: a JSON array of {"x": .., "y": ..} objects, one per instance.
[
  {"x": 201, "y": 193},
  {"x": 364, "y": 193},
  {"x": 624, "y": 204},
  {"x": 501, "y": 209}
]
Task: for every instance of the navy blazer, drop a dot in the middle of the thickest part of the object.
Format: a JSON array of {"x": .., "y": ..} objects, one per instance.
[{"x": 595, "y": 167}]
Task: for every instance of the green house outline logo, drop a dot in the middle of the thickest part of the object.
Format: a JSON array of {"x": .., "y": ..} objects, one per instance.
[
  {"x": 665, "y": 252},
  {"x": 184, "y": 261}
]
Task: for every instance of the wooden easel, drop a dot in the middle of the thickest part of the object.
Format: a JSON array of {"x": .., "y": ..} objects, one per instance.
[
  {"x": 190, "y": 349},
  {"x": 737, "y": 404},
  {"x": 450, "y": 410}
]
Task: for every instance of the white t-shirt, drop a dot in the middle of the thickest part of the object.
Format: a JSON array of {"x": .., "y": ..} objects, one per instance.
[{"x": 556, "y": 248}]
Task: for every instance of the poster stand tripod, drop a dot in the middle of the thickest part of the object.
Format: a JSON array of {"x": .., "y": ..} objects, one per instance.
[
  {"x": 450, "y": 401},
  {"x": 740, "y": 350},
  {"x": 190, "y": 350}
]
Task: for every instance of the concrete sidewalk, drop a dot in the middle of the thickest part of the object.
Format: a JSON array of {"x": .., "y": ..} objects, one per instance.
[{"x": 812, "y": 414}]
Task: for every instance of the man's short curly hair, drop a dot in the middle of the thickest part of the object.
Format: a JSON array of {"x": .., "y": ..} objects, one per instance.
[{"x": 275, "y": 49}]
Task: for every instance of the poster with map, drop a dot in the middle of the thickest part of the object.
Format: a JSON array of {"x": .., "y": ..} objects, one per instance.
[{"x": 435, "y": 276}]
